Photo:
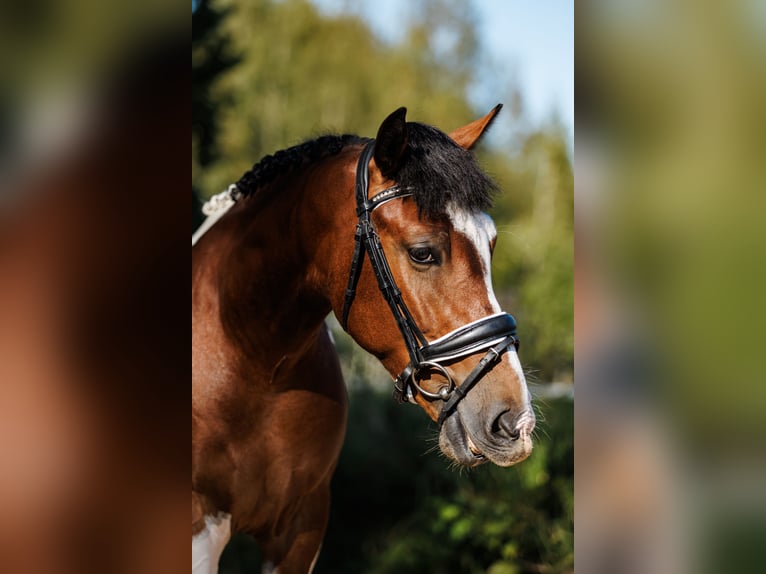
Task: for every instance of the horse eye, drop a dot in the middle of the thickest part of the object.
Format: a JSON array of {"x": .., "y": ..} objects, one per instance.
[{"x": 422, "y": 255}]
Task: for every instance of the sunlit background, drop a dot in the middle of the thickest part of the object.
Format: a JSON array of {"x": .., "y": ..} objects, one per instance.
[{"x": 268, "y": 75}]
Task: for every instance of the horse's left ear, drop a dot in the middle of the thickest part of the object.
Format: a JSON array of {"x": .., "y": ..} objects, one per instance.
[
  {"x": 467, "y": 136},
  {"x": 391, "y": 141}
]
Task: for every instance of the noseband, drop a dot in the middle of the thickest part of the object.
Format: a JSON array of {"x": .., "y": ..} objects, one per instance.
[{"x": 494, "y": 333}]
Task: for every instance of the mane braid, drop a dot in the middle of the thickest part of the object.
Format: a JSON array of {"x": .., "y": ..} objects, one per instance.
[
  {"x": 290, "y": 159},
  {"x": 442, "y": 174}
]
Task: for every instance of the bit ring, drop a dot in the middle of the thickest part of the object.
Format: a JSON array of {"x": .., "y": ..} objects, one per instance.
[{"x": 444, "y": 392}]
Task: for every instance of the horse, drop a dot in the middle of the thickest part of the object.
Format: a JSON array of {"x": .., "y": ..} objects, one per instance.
[{"x": 392, "y": 236}]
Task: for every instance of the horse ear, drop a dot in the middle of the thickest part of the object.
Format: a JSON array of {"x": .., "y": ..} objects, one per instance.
[
  {"x": 467, "y": 136},
  {"x": 391, "y": 141}
]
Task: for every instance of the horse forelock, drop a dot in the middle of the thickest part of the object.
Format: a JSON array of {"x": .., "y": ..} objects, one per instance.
[{"x": 441, "y": 174}]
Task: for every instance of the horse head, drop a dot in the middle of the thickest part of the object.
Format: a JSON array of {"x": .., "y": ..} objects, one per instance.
[{"x": 420, "y": 295}]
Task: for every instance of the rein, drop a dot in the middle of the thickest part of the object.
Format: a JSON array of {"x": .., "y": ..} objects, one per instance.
[{"x": 494, "y": 333}]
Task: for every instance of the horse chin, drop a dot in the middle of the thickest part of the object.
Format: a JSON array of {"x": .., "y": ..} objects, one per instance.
[{"x": 456, "y": 444}]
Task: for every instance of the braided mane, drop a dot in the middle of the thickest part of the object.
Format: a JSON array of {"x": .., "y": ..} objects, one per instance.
[
  {"x": 440, "y": 172},
  {"x": 290, "y": 159}
]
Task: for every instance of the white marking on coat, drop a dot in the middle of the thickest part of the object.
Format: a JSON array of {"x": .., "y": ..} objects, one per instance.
[
  {"x": 513, "y": 357},
  {"x": 208, "y": 544},
  {"x": 479, "y": 228}
]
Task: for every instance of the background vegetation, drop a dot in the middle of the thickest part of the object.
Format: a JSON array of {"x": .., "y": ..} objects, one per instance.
[{"x": 268, "y": 74}]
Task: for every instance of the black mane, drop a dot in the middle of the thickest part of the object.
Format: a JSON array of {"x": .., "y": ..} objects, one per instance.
[{"x": 440, "y": 172}]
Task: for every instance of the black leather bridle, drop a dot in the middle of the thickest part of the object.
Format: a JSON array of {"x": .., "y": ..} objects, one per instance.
[{"x": 494, "y": 333}]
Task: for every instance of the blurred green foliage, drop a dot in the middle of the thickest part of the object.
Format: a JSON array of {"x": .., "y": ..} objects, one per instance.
[
  {"x": 267, "y": 75},
  {"x": 675, "y": 110}
]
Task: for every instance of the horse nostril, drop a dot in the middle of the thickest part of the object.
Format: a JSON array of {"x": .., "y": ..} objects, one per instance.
[
  {"x": 496, "y": 427},
  {"x": 504, "y": 426}
]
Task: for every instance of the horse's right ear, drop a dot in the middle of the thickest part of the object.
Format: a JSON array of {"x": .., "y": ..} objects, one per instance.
[
  {"x": 467, "y": 136},
  {"x": 391, "y": 142}
]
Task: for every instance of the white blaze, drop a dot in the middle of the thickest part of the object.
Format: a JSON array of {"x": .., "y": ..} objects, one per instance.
[
  {"x": 479, "y": 228},
  {"x": 513, "y": 357}
]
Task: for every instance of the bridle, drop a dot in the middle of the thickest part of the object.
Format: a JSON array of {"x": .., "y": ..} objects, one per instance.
[{"x": 494, "y": 333}]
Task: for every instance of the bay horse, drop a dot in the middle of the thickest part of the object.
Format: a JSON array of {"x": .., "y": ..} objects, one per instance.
[{"x": 392, "y": 236}]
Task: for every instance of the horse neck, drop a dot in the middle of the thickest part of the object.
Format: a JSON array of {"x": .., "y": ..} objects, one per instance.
[{"x": 265, "y": 272}]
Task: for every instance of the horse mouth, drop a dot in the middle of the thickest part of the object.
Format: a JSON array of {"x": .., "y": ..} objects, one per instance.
[
  {"x": 474, "y": 449},
  {"x": 457, "y": 445}
]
